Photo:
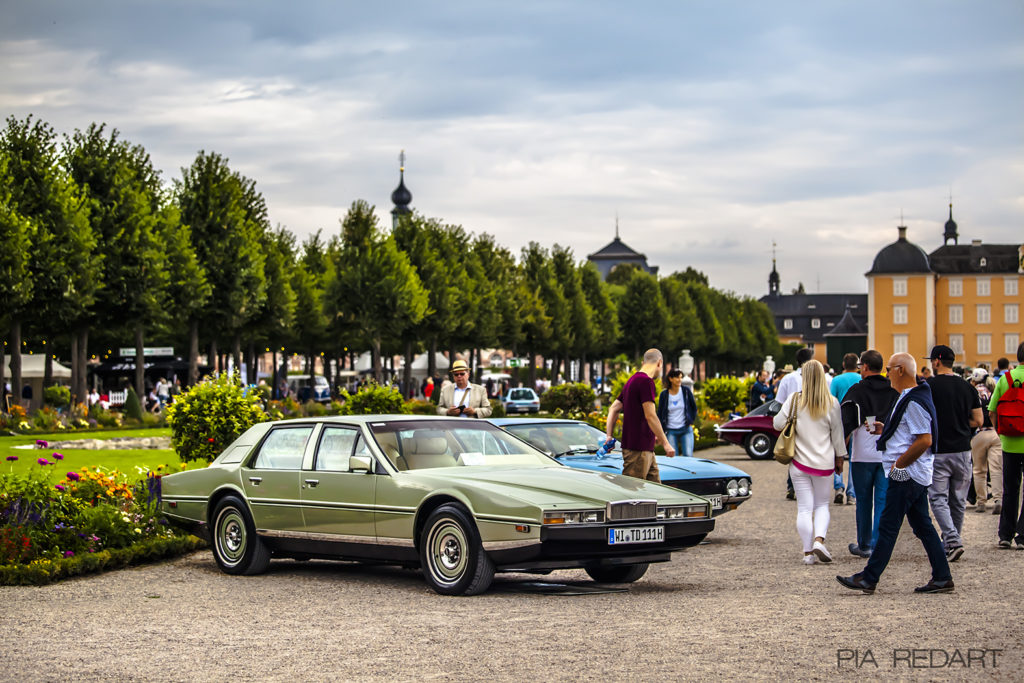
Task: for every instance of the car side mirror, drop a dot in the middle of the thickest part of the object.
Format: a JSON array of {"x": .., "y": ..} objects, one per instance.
[{"x": 360, "y": 463}]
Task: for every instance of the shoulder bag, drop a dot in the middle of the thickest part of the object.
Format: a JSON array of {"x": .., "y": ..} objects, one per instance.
[{"x": 785, "y": 445}]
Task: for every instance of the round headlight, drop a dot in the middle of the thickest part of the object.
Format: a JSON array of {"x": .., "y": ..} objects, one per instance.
[
  {"x": 732, "y": 488},
  {"x": 744, "y": 487}
]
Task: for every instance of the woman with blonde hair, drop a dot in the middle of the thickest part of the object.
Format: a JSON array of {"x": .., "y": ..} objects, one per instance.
[{"x": 820, "y": 451}]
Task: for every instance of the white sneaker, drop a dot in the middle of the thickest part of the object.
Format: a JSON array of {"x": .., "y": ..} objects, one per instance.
[
  {"x": 821, "y": 552},
  {"x": 810, "y": 559}
]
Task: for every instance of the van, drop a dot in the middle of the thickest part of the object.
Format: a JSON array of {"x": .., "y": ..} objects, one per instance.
[{"x": 303, "y": 390}]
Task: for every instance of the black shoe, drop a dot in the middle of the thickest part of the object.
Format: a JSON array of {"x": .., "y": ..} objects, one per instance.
[
  {"x": 790, "y": 494},
  {"x": 857, "y": 583},
  {"x": 934, "y": 586},
  {"x": 839, "y": 498},
  {"x": 858, "y": 551}
]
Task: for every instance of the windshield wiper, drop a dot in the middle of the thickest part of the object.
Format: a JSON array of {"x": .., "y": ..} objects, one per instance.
[{"x": 579, "y": 450}]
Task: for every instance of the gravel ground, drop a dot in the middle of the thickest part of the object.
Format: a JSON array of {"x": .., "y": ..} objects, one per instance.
[{"x": 740, "y": 606}]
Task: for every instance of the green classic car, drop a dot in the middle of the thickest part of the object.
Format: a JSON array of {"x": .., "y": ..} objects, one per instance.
[{"x": 458, "y": 497}]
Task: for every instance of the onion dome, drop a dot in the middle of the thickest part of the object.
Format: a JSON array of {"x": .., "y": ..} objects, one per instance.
[
  {"x": 951, "y": 232},
  {"x": 401, "y": 197},
  {"x": 902, "y": 256}
]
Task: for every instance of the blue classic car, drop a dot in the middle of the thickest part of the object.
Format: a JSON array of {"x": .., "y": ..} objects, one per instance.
[{"x": 576, "y": 444}]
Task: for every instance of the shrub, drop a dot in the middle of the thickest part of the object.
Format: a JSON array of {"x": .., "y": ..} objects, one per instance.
[
  {"x": 132, "y": 405},
  {"x": 211, "y": 415},
  {"x": 418, "y": 407},
  {"x": 497, "y": 408},
  {"x": 313, "y": 409},
  {"x": 723, "y": 394},
  {"x": 57, "y": 396},
  {"x": 568, "y": 399},
  {"x": 374, "y": 399},
  {"x": 47, "y": 419}
]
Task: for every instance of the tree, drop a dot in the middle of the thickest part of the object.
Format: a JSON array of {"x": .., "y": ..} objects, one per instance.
[
  {"x": 604, "y": 315},
  {"x": 642, "y": 315},
  {"x": 124, "y": 194},
  {"x": 580, "y": 314},
  {"x": 539, "y": 272},
  {"x": 683, "y": 326},
  {"x": 16, "y": 235},
  {"x": 273, "y": 321},
  {"x": 372, "y": 285}
]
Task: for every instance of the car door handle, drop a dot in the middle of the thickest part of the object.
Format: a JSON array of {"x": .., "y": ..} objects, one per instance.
[
  {"x": 255, "y": 480},
  {"x": 312, "y": 483}
]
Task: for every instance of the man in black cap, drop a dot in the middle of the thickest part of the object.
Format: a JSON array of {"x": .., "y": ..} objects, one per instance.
[{"x": 958, "y": 408}]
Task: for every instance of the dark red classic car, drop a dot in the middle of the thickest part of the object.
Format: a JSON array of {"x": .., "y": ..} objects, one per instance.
[{"x": 754, "y": 431}]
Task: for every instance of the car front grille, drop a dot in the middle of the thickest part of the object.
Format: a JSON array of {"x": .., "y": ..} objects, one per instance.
[
  {"x": 632, "y": 509},
  {"x": 699, "y": 487}
]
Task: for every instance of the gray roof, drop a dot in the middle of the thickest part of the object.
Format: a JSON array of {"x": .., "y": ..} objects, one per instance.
[
  {"x": 902, "y": 256},
  {"x": 967, "y": 258},
  {"x": 829, "y": 309}
]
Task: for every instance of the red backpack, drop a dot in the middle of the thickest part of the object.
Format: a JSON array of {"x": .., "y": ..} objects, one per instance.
[{"x": 1010, "y": 409}]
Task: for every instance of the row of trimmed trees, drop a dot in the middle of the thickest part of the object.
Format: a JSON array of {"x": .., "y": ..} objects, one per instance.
[{"x": 95, "y": 249}]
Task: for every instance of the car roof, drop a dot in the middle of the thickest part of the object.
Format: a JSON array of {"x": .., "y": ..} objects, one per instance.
[{"x": 502, "y": 421}]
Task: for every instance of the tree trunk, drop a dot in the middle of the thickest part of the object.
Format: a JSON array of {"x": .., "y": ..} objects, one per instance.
[
  {"x": 16, "y": 364},
  {"x": 532, "y": 374},
  {"x": 3, "y": 378},
  {"x": 251, "y": 371},
  {"x": 375, "y": 357},
  {"x": 74, "y": 370},
  {"x": 214, "y": 359},
  {"x": 83, "y": 365},
  {"x": 193, "y": 353},
  {"x": 274, "y": 375},
  {"x": 47, "y": 369},
  {"x": 140, "y": 365},
  {"x": 236, "y": 353},
  {"x": 432, "y": 358},
  {"x": 407, "y": 389}
]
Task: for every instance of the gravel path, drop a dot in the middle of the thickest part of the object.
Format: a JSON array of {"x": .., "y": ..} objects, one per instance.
[{"x": 740, "y": 606}]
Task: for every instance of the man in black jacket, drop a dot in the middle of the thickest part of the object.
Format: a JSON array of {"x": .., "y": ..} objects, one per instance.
[{"x": 866, "y": 402}]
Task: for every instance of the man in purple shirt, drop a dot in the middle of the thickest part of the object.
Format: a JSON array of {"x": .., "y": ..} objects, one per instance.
[{"x": 641, "y": 428}]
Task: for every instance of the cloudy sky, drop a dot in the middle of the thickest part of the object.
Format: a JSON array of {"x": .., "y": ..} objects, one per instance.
[{"x": 710, "y": 128}]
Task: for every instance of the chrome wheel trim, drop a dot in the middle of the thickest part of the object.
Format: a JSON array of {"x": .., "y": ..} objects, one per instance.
[
  {"x": 230, "y": 536},
  {"x": 759, "y": 443},
  {"x": 447, "y": 552}
]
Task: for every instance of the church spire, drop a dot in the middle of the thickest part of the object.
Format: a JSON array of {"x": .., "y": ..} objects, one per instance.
[
  {"x": 950, "y": 232},
  {"x": 401, "y": 197},
  {"x": 773, "y": 278}
]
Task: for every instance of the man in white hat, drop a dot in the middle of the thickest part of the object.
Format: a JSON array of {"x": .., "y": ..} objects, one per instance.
[{"x": 463, "y": 399}]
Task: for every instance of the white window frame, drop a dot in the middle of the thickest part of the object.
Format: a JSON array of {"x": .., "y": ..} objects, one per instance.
[
  {"x": 900, "y": 343},
  {"x": 899, "y": 286},
  {"x": 956, "y": 342},
  {"x": 956, "y": 314},
  {"x": 899, "y": 314},
  {"x": 1011, "y": 340},
  {"x": 984, "y": 286},
  {"x": 956, "y": 286},
  {"x": 1010, "y": 287},
  {"x": 815, "y": 323},
  {"x": 983, "y": 314},
  {"x": 787, "y": 324},
  {"x": 984, "y": 344},
  {"x": 1011, "y": 314}
]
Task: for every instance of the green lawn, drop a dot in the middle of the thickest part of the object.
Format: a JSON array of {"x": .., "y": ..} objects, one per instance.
[{"x": 125, "y": 461}]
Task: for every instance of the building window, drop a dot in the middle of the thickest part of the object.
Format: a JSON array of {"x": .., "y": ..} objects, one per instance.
[
  {"x": 956, "y": 314},
  {"x": 984, "y": 344},
  {"x": 899, "y": 314},
  {"x": 956, "y": 287},
  {"x": 984, "y": 286},
  {"x": 899, "y": 286},
  {"x": 787, "y": 324},
  {"x": 1010, "y": 287},
  {"x": 984, "y": 314},
  {"x": 899, "y": 343},
  {"x": 1010, "y": 313},
  {"x": 956, "y": 342},
  {"x": 1010, "y": 343},
  {"x": 815, "y": 323}
]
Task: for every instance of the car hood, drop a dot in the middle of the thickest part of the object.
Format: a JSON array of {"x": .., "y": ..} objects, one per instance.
[
  {"x": 670, "y": 469},
  {"x": 549, "y": 486}
]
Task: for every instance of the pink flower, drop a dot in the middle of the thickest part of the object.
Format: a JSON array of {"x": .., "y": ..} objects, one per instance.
[
  {"x": 69, "y": 553},
  {"x": 74, "y": 476},
  {"x": 43, "y": 461},
  {"x": 41, "y": 444},
  {"x": 60, "y": 487},
  {"x": 58, "y": 456},
  {"x": 12, "y": 458}
]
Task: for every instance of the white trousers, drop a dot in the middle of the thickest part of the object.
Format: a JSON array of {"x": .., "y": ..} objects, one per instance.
[{"x": 813, "y": 495}]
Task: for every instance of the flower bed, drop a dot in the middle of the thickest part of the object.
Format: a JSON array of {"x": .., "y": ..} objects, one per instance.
[{"x": 93, "y": 519}]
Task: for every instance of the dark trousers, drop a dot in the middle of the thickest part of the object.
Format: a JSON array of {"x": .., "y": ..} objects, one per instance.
[
  {"x": 906, "y": 499},
  {"x": 1011, "y": 519}
]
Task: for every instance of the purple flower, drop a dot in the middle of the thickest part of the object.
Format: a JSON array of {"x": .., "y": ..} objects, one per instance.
[
  {"x": 41, "y": 444},
  {"x": 74, "y": 476},
  {"x": 11, "y": 458},
  {"x": 44, "y": 461},
  {"x": 68, "y": 553},
  {"x": 60, "y": 487},
  {"x": 58, "y": 456}
]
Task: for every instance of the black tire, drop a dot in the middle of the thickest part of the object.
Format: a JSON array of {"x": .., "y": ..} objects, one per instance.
[
  {"x": 759, "y": 445},
  {"x": 453, "y": 558},
  {"x": 236, "y": 547},
  {"x": 618, "y": 574}
]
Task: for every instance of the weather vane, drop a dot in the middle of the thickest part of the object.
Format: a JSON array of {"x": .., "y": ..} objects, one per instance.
[{"x": 401, "y": 161}]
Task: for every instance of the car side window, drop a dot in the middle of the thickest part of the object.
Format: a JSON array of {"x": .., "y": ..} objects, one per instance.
[
  {"x": 282, "y": 449},
  {"x": 335, "y": 448}
]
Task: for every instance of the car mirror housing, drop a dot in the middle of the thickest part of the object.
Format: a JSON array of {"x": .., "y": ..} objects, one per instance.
[{"x": 360, "y": 463}]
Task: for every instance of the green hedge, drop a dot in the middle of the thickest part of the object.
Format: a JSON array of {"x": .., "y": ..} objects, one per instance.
[{"x": 43, "y": 571}]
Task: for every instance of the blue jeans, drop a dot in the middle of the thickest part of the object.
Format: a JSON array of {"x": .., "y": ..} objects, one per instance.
[
  {"x": 906, "y": 499},
  {"x": 681, "y": 439},
  {"x": 837, "y": 480},
  {"x": 869, "y": 477}
]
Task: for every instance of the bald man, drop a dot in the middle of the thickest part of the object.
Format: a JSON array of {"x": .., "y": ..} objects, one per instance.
[
  {"x": 641, "y": 428},
  {"x": 905, "y": 442}
]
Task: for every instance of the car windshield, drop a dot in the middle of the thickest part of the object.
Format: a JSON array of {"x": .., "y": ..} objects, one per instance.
[
  {"x": 770, "y": 408},
  {"x": 560, "y": 438},
  {"x": 426, "y": 444},
  {"x": 521, "y": 395}
]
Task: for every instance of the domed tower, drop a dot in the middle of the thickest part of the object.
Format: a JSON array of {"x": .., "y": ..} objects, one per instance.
[
  {"x": 401, "y": 197},
  {"x": 774, "y": 281},
  {"x": 901, "y": 299},
  {"x": 951, "y": 231}
]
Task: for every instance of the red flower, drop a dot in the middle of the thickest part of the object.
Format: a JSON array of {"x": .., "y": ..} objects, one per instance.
[{"x": 210, "y": 440}]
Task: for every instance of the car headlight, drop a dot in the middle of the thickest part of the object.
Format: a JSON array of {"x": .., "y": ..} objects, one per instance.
[
  {"x": 683, "y": 511},
  {"x": 574, "y": 517},
  {"x": 744, "y": 487},
  {"x": 732, "y": 488}
]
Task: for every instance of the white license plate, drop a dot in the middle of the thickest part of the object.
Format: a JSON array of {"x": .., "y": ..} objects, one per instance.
[
  {"x": 636, "y": 534},
  {"x": 716, "y": 502}
]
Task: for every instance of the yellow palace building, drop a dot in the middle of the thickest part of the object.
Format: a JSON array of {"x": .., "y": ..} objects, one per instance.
[{"x": 967, "y": 297}]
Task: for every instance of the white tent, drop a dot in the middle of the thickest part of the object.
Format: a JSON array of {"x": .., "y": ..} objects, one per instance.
[{"x": 34, "y": 366}]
